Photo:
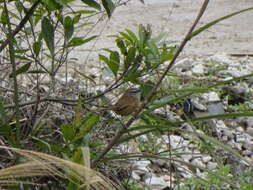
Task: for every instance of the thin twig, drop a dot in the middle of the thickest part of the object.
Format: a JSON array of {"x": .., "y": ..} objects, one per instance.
[{"x": 136, "y": 114}]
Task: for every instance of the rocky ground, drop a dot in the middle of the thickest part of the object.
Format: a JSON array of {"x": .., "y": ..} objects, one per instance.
[{"x": 211, "y": 56}]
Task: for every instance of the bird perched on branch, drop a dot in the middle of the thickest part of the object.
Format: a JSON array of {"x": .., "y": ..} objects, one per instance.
[{"x": 128, "y": 102}]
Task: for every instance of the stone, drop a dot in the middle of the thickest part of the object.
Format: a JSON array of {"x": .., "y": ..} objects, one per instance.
[
  {"x": 184, "y": 64},
  {"x": 241, "y": 138},
  {"x": 211, "y": 97},
  {"x": 135, "y": 175},
  {"x": 249, "y": 130},
  {"x": 206, "y": 158},
  {"x": 155, "y": 183},
  {"x": 211, "y": 165},
  {"x": 246, "y": 153},
  {"x": 198, "y": 69},
  {"x": 141, "y": 166},
  {"x": 221, "y": 58},
  {"x": 198, "y": 162}
]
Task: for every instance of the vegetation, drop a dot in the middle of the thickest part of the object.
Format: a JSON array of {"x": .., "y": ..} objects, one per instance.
[{"x": 72, "y": 142}]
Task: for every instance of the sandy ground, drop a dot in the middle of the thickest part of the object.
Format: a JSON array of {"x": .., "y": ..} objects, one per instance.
[{"x": 174, "y": 17}]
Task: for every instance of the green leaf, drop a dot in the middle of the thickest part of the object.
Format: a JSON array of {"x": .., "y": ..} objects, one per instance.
[
  {"x": 76, "y": 18},
  {"x": 109, "y": 7},
  {"x": 154, "y": 49},
  {"x": 42, "y": 144},
  {"x": 208, "y": 25},
  {"x": 121, "y": 45},
  {"x": 68, "y": 25},
  {"x": 77, "y": 41},
  {"x": 3, "y": 116},
  {"x": 132, "y": 36},
  {"x": 68, "y": 132},
  {"x": 146, "y": 88},
  {"x": 52, "y": 5},
  {"x": 130, "y": 57},
  {"x": 3, "y": 18},
  {"x": 48, "y": 33},
  {"x": 91, "y": 120},
  {"x": 92, "y": 4},
  {"x": 21, "y": 70},
  {"x": 115, "y": 59},
  {"x": 112, "y": 66},
  {"x": 126, "y": 37},
  {"x": 36, "y": 47}
]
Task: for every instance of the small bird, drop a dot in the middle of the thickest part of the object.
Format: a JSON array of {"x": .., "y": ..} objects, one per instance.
[{"x": 128, "y": 102}]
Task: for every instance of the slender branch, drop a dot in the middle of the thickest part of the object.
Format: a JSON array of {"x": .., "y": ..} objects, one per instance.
[
  {"x": 20, "y": 26},
  {"x": 14, "y": 68},
  {"x": 153, "y": 91}
]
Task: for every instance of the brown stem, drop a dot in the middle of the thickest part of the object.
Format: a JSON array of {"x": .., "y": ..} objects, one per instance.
[{"x": 136, "y": 114}]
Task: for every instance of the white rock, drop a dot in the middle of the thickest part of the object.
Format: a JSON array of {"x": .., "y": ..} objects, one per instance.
[
  {"x": 211, "y": 165},
  {"x": 135, "y": 176},
  {"x": 231, "y": 143},
  {"x": 246, "y": 153},
  {"x": 249, "y": 130},
  {"x": 206, "y": 158},
  {"x": 155, "y": 183},
  {"x": 241, "y": 138},
  {"x": 228, "y": 133},
  {"x": 239, "y": 129},
  {"x": 184, "y": 64},
  {"x": 168, "y": 178},
  {"x": 198, "y": 162},
  {"x": 221, "y": 58},
  {"x": 210, "y": 97},
  {"x": 198, "y": 69},
  {"x": 186, "y": 174},
  {"x": 141, "y": 166}
]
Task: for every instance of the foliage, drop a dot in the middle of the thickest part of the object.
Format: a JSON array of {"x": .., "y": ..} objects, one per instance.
[
  {"x": 40, "y": 46},
  {"x": 212, "y": 182}
]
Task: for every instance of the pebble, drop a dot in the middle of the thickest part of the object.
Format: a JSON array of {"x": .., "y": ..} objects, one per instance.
[
  {"x": 206, "y": 158},
  {"x": 211, "y": 165},
  {"x": 211, "y": 97},
  {"x": 155, "y": 183}
]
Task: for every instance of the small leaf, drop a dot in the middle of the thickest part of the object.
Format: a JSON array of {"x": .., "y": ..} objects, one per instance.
[
  {"x": 91, "y": 120},
  {"x": 126, "y": 37},
  {"x": 36, "y": 47},
  {"x": 3, "y": 116},
  {"x": 21, "y": 70},
  {"x": 68, "y": 132},
  {"x": 121, "y": 45},
  {"x": 133, "y": 36},
  {"x": 76, "y": 18},
  {"x": 48, "y": 34},
  {"x": 115, "y": 59},
  {"x": 130, "y": 57},
  {"x": 52, "y": 5},
  {"x": 77, "y": 41},
  {"x": 109, "y": 7},
  {"x": 92, "y": 4},
  {"x": 42, "y": 144},
  {"x": 3, "y": 18},
  {"x": 68, "y": 25},
  {"x": 112, "y": 66}
]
